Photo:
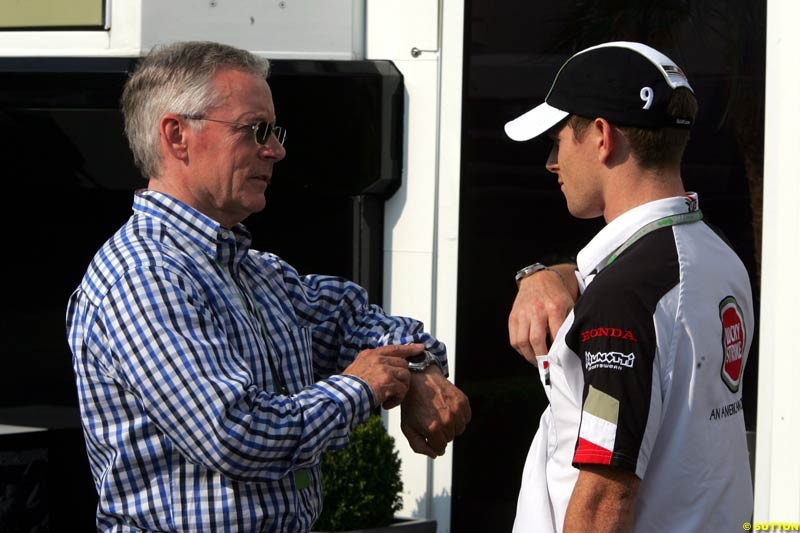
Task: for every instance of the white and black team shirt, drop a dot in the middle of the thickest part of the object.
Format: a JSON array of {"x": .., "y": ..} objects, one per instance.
[{"x": 645, "y": 375}]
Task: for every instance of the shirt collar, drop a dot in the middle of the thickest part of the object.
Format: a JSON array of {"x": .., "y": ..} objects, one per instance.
[
  {"x": 616, "y": 232},
  {"x": 227, "y": 246}
]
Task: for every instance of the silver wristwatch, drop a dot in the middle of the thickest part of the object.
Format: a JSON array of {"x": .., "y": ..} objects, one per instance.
[
  {"x": 418, "y": 363},
  {"x": 529, "y": 271}
]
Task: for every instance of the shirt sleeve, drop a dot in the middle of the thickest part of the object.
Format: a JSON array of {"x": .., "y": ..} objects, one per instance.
[
  {"x": 344, "y": 323},
  {"x": 170, "y": 351},
  {"x": 617, "y": 354},
  {"x": 614, "y": 336}
]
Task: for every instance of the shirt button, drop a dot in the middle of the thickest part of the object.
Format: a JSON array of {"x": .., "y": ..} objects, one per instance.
[{"x": 224, "y": 234}]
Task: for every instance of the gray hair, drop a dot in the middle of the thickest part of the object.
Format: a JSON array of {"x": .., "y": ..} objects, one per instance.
[{"x": 176, "y": 78}]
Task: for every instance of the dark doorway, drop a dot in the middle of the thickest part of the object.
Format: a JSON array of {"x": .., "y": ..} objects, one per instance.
[{"x": 513, "y": 214}]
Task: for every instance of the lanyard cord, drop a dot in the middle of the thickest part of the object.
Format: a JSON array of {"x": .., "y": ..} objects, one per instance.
[
  {"x": 671, "y": 220},
  {"x": 247, "y": 300}
]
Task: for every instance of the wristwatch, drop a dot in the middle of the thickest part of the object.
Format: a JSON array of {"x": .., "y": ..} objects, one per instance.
[
  {"x": 418, "y": 363},
  {"x": 529, "y": 271}
]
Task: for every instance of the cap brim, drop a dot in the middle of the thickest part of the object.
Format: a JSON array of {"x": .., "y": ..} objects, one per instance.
[{"x": 535, "y": 122}]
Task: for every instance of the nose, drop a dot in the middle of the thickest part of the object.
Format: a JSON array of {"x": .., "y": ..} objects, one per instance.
[
  {"x": 272, "y": 150},
  {"x": 552, "y": 160}
]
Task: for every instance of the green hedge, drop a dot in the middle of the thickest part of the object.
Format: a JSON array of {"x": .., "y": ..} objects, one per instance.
[{"x": 361, "y": 485}]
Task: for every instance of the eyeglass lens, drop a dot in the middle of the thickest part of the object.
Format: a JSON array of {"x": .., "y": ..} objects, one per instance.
[{"x": 265, "y": 129}]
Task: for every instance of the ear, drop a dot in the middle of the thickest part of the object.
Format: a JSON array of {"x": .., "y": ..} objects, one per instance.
[
  {"x": 174, "y": 136},
  {"x": 605, "y": 139}
]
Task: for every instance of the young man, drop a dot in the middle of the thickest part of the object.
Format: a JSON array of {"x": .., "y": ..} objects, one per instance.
[
  {"x": 644, "y": 431},
  {"x": 211, "y": 376}
]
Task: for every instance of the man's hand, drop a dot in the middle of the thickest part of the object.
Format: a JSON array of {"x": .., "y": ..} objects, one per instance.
[
  {"x": 385, "y": 370},
  {"x": 543, "y": 302},
  {"x": 433, "y": 412}
]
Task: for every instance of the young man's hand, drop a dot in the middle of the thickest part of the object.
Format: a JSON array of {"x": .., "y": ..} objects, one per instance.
[{"x": 543, "y": 302}]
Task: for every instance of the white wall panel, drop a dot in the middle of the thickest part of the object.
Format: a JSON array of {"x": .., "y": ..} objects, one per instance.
[
  {"x": 777, "y": 482},
  {"x": 319, "y": 29},
  {"x": 421, "y": 232},
  {"x": 446, "y": 224},
  {"x": 408, "y": 241},
  {"x": 394, "y": 27},
  {"x": 280, "y": 29}
]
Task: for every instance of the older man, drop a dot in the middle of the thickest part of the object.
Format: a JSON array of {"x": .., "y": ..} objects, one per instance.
[{"x": 212, "y": 376}]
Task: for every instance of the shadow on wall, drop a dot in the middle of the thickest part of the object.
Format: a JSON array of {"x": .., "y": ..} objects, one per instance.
[{"x": 443, "y": 499}]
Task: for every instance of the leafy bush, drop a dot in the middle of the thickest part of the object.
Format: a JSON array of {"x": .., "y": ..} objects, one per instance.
[{"x": 361, "y": 485}]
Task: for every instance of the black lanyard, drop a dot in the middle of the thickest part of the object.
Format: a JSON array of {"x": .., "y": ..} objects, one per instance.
[{"x": 671, "y": 220}]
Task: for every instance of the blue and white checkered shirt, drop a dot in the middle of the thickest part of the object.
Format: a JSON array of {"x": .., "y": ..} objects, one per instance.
[{"x": 171, "y": 331}]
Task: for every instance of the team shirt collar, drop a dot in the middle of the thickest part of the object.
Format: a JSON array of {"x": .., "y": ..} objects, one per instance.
[
  {"x": 226, "y": 246},
  {"x": 615, "y": 233}
]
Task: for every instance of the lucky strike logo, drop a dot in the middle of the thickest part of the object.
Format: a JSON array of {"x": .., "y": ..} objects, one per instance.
[
  {"x": 733, "y": 342},
  {"x": 624, "y": 334}
]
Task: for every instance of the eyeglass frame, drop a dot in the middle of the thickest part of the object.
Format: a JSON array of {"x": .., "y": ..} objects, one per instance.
[{"x": 272, "y": 129}]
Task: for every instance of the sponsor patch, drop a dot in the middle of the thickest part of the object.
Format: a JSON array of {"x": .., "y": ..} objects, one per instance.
[
  {"x": 733, "y": 342},
  {"x": 598, "y": 431},
  {"x": 624, "y": 334},
  {"x": 611, "y": 360}
]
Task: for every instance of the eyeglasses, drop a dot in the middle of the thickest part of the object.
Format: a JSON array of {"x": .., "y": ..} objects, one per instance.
[{"x": 261, "y": 130}]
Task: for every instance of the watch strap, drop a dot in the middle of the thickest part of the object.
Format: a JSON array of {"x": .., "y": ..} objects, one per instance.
[{"x": 529, "y": 270}]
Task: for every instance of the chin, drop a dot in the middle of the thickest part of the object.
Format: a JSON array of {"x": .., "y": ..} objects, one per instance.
[
  {"x": 253, "y": 210},
  {"x": 583, "y": 213},
  {"x": 259, "y": 206}
]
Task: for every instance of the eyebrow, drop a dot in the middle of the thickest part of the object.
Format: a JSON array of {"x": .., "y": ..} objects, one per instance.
[{"x": 253, "y": 117}]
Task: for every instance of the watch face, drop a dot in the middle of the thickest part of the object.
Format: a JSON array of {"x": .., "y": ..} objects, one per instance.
[
  {"x": 422, "y": 361},
  {"x": 418, "y": 365},
  {"x": 417, "y": 359}
]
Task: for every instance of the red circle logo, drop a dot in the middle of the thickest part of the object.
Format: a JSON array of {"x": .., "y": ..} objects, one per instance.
[{"x": 733, "y": 342}]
